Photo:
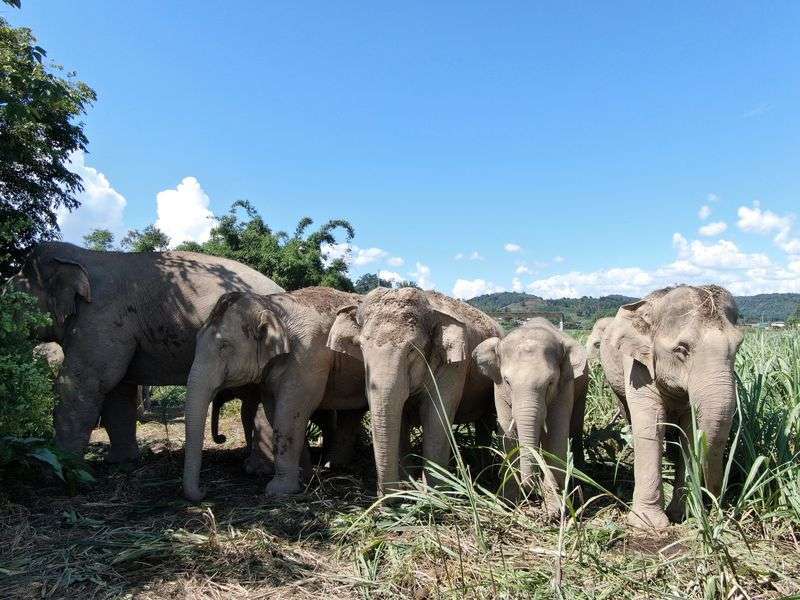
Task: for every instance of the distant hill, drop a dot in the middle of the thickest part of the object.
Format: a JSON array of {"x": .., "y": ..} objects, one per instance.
[
  {"x": 767, "y": 307},
  {"x": 581, "y": 313}
]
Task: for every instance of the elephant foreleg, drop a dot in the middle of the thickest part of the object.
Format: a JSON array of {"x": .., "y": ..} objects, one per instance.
[
  {"x": 676, "y": 508},
  {"x": 293, "y": 408},
  {"x": 647, "y": 425},
  {"x": 554, "y": 443},
  {"x": 437, "y": 413},
  {"x": 119, "y": 420}
]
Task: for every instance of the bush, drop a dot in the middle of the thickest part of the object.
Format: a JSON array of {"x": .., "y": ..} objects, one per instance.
[{"x": 26, "y": 381}]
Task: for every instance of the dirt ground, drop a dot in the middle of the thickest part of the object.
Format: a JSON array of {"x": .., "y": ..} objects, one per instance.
[{"x": 132, "y": 535}]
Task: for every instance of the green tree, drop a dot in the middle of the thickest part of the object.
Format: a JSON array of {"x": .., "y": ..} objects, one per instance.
[
  {"x": 26, "y": 389},
  {"x": 294, "y": 261},
  {"x": 39, "y": 131},
  {"x": 150, "y": 239},
  {"x": 370, "y": 281},
  {"x": 99, "y": 239}
]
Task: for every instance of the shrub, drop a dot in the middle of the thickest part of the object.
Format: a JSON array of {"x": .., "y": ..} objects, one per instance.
[{"x": 26, "y": 382}]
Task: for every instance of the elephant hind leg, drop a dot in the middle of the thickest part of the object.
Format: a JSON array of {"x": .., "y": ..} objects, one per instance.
[
  {"x": 341, "y": 449},
  {"x": 119, "y": 420}
]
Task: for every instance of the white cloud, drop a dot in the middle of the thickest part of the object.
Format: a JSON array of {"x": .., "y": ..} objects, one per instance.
[
  {"x": 765, "y": 222},
  {"x": 516, "y": 285},
  {"x": 757, "y": 111},
  {"x": 722, "y": 254},
  {"x": 469, "y": 288},
  {"x": 423, "y": 276},
  {"x": 101, "y": 206},
  {"x": 365, "y": 256},
  {"x": 713, "y": 229},
  {"x": 474, "y": 255},
  {"x": 631, "y": 281},
  {"x": 713, "y": 198},
  {"x": 704, "y": 212},
  {"x": 183, "y": 213},
  {"x": 390, "y": 276},
  {"x": 358, "y": 257},
  {"x": 761, "y": 221},
  {"x": 512, "y": 247},
  {"x": 558, "y": 259},
  {"x": 523, "y": 270}
]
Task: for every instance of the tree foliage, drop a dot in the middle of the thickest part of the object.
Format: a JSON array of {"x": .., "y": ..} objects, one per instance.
[
  {"x": 26, "y": 389},
  {"x": 370, "y": 281},
  {"x": 38, "y": 133},
  {"x": 293, "y": 262},
  {"x": 99, "y": 239},
  {"x": 150, "y": 239}
]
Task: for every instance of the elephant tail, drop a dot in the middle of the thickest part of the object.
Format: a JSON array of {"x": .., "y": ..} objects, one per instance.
[{"x": 216, "y": 406}]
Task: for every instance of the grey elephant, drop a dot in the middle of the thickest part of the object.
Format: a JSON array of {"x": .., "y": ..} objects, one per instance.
[
  {"x": 279, "y": 342},
  {"x": 670, "y": 352},
  {"x": 540, "y": 377},
  {"x": 596, "y": 337},
  {"x": 400, "y": 334},
  {"x": 123, "y": 319}
]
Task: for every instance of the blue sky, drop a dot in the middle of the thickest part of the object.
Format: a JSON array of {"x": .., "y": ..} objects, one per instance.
[{"x": 560, "y": 149}]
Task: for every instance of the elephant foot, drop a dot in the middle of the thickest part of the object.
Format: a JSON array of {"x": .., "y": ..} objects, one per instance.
[
  {"x": 117, "y": 455},
  {"x": 195, "y": 494},
  {"x": 254, "y": 465},
  {"x": 282, "y": 487},
  {"x": 339, "y": 459},
  {"x": 648, "y": 519},
  {"x": 676, "y": 511}
]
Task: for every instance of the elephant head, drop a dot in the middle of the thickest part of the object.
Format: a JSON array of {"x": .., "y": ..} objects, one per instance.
[
  {"x": 595, "y": 338},
  {"x": 234, "y": 346},
  {"x": 59, "y": 284},
  {"x": 398, "y": 335},
  {"x": 535, "y": 367},
  {"x": 684, "y": 339}
]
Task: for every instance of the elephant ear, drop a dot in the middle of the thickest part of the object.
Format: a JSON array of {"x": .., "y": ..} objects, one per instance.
[
  {"x": 66, "y": 280},
  {"x": 487, "y": 359},
  {"x": 272, "y": 335},
  {"x": 450, "y": 335},
  {"x": 632, "y": 333},
  {"x": 345, "y": 331},
  {"x": 576, "y": 355}
]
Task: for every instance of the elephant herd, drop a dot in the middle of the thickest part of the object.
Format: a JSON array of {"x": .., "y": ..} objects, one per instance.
[{"x": 409, "y": 357}]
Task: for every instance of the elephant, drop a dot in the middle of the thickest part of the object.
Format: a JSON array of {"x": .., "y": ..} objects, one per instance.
[
  {"x": 540, "y": 381},
  {"x": 52, "y": 353},
  {"x": 402, "y": 336},
  {"x": 279, "y": 343},
  {"x": 123, "y": 320},
  {"x": 595, "y": 337},
  {"x": 664, "y": 355}
]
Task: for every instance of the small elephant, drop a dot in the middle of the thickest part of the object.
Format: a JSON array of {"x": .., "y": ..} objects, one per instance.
[
  {"x": 400, "y": 337},
  {"x": 540, "y": 378},
  {"x": 596, "y": 336},
  {"x": 672, "y": 351},
  {"x": 277, "y": 341},
  {"x": 123, "y": 319}
]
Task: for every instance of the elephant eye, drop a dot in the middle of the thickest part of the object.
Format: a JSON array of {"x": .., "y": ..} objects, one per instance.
[
  {"x": 597, "y": 344},
  {"x": 682, "y": 349}
]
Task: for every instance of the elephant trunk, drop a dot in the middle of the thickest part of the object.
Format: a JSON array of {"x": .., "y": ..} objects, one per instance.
[
  {"x": 386, "y": 414},
  {"x": 529, "y": 411},
  {"x": 713, "y": 395},
  {"x": 198, "y": 396}
]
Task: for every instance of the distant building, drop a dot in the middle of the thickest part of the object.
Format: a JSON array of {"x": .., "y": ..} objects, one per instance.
[{"x": 777, "y": 325}]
